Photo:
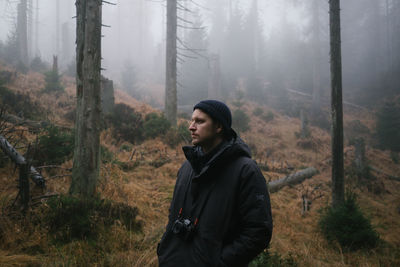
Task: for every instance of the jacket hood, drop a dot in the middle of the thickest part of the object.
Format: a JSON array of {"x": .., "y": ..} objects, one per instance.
[{"x": 224, "y": 152}]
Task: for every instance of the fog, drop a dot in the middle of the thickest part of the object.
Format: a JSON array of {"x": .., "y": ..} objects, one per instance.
[{"x": 259, "y": 46}]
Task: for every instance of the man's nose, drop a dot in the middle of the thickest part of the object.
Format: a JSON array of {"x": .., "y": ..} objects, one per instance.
[{"x": 192, "y": 126}]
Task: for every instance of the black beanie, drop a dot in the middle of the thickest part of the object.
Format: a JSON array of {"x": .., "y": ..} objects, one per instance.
[{"x": 218, "y": 111}]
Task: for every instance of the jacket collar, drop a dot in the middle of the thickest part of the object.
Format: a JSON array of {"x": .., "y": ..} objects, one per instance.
[{"x": 226, "y": 150}]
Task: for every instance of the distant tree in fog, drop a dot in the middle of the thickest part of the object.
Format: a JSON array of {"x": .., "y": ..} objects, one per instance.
[
  {"x": 129, "y": 80},
  {"x": 86, "y": 162},
  {"x": 232, "y": 55},
  {"x": 22, "y": 32},
  {"x": 254, "y": 51},
  {"x": 194, "y": 69}
]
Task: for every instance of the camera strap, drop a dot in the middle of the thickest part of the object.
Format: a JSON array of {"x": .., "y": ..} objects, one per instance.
[
  {"x": 196, "y": 221},
  {"x": 203, "y": 204}
]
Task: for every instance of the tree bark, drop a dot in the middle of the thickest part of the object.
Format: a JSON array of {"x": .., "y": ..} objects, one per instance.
[
  {"x": 336, "y": 104},
  {"x": 18, "y": 159},
  {"x": 86, "y": 162},
  {"x": 171, "y": 53},
  {"x": 292, "y": 179}
]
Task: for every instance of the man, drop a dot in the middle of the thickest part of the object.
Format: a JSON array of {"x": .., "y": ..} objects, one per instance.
[{"x": 220, "y": 214}]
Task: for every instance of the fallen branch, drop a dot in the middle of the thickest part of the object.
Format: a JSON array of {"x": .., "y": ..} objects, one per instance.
[
  {"x": 310, "y": 96},
  {"x": 292, "y": 179},
  {"x": 19, "y": 121},
  {"x": 13, "y": 154}
]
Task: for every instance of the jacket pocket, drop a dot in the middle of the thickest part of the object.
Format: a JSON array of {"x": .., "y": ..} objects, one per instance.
[{"x": 206, "y": 250}]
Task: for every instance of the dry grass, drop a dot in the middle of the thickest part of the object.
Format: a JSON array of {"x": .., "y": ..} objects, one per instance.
[{"x": 150, "y": 189}]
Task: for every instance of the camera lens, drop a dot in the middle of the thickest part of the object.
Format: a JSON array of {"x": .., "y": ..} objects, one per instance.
[{"x": 177, "y": 227}]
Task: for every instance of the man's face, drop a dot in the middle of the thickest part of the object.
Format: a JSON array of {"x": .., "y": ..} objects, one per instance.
[{"x": 203, "y": 129}]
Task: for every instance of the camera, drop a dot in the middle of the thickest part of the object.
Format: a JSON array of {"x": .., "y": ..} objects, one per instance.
[{"x": 183, "y": 228}]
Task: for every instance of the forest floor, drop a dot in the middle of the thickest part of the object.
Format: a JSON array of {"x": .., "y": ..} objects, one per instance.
[{"x": 147, "y": 185}]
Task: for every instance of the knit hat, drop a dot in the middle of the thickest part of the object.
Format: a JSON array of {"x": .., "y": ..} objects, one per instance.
[{"x": 218, "y": 111}]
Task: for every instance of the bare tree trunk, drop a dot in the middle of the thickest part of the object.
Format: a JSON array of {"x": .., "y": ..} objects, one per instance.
[
  {"x": 86, "y": 164},
  {"x": 337, "y": 106},
  {"x": 22, "y": 33},
  {"x": 304, "y": 130},
  {"x": 30, "y": 29},
  {"x": 55, "y": 64},
  {"x": 170, "y": 75},
  {"x": 214, "y": 77},
  {"x": 359, "y": 157}
]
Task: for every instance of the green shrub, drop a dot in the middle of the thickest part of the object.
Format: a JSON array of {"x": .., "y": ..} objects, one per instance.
[
  {"x": 155, "y": 125},
  {"x": 126, "y": 122},
  {"x": 21, "y": 104},
  {"x": 125, "y": 147},
  {"x": 70, "y": 218},
  {"x": 258, "y": 112},
  {"x": 106, "y": 155},
  {"x": 348, "y": 226},
  {"x": 265, "y": 259},
  {"x": 21, "y": 67},
  {"x": 38, "y": 65},
  {"x": 55, "y": 146},
  {"x": 395, "y": 157},
  {"x": 388, "y": 125},
  {"x": 53, "y": 84},
  {"x": 268, "y": 117},
  {"x": 240, "y": 121}
]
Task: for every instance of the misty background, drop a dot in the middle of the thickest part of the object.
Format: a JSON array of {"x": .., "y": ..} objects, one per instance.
[{"x": 259, "y": 48}]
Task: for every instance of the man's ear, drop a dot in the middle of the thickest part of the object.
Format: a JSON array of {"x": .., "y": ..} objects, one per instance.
[{"x": 218, "y": 127}]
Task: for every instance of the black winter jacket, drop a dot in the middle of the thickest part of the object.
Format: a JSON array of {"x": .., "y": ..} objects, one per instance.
[{"x": 227, "y": 194}]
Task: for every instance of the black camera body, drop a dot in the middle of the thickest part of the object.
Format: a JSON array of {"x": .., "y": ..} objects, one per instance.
[{"x": 184, "y": 229}]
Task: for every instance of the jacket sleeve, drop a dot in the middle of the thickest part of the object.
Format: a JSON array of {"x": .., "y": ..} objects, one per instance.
[{"x": 255, "y": 220}]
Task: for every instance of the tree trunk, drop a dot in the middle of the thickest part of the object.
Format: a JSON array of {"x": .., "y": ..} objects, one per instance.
[
  {"x": 30, "y": 30},
  {"x": 304, "y": 130},
  {"x": 170, "y": 75},
  {"x": 57, "y": 52},
  {"x": 37, "y": 29},
  {"x": 22, "y": 33},
  {"x": 336, "y": 104},
  {"x": 316, "y": 102},
  {"x": 107, "y": 95},
  {"x": 86, "y": 163},
  {"x": 292, "y": 179},
  {"x": 55, "y": 64},
  {"x": 359, "y": 157},
  {"x": 214, "y": 77}
]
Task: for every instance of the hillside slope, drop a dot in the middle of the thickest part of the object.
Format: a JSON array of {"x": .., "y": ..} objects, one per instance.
[{"x": 143, "y": 176}]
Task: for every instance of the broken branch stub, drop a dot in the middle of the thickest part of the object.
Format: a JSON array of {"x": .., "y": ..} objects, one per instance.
[{"x": 18, "y": 159}]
